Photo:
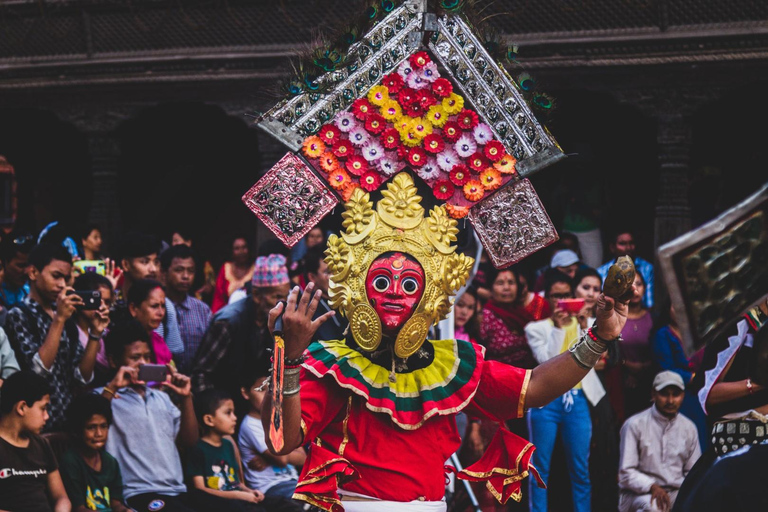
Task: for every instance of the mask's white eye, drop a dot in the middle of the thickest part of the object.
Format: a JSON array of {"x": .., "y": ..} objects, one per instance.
[
  {"x": 410, "y": 285},
  {"x": 381, "y": 284}
]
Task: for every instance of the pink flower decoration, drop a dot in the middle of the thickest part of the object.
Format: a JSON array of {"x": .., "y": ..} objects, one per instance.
[
  {"x": 430, "y": 72},
  {"x": 429, "y": 171},
  {"x": 388, "y": 166},
  {"x": 416, "y": 81},
  {"x": 405, "y": 69}
]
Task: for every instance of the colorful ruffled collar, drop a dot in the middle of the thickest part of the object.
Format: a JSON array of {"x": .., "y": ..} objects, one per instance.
[{"x": 443, "y": 387}]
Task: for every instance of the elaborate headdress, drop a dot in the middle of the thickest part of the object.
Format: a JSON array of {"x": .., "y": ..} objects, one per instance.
[{"x": 396, "y": 224}]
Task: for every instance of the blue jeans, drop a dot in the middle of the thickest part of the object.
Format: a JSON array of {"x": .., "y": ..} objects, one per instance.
[
  {"x": 568, "y": 415},
  {"x": 284, "y": 489}
]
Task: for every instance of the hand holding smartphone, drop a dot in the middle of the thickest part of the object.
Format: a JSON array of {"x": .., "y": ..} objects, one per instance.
[
  {"x": 572, "y": 306},
  {"x": 91, "y": 299},
  {"x": 152, "y": 372}
]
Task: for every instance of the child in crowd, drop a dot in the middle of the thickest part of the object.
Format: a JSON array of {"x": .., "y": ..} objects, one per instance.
[
  {"x": 272, "y": 474},
  {"x": 147, "y": 426},
  {"x": 91, "y": 475},
  {"x": 213, "y": 465},
  {"x": 466, "y": 321},
  {"x": 29, "y": 477}
]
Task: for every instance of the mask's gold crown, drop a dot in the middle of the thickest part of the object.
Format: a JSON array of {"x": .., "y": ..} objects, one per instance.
[{"x": 396, "y": 225}]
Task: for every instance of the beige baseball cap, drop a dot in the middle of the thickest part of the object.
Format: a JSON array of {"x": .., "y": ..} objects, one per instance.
[{"x": 668, "y": 378}]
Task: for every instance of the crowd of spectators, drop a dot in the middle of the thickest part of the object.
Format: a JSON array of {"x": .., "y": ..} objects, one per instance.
[{"x": 80, "y": 430}]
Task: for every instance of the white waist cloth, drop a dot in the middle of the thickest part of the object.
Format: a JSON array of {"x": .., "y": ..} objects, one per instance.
[{"x": 376, "y": 505}]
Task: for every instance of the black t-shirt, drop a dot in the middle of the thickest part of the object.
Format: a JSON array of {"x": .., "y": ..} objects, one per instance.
[{"x": 24, "y": 475}]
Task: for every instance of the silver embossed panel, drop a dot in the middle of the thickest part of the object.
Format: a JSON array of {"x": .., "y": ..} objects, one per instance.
[
  {"x": 718, "y": 271},
  {"x": 290, "y": 199},
  {"x": 495, "y": 97},
  {"x": 512, "y": 224},
  {"x": 379, "y": 52}
]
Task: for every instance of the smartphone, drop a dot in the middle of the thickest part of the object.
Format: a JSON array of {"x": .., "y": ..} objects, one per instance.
[
  {"x": 91, "y": 299},
  {"x": 153, "y": 372},
  {"x": 571, "y": 305},
  {"x": 83, "y": 266}
]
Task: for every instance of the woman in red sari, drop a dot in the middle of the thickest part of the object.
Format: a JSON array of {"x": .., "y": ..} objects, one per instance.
[{"x": 504, "y": 318}]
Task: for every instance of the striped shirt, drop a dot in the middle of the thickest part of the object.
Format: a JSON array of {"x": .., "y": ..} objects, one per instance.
[{"x": 193, "y": 317}]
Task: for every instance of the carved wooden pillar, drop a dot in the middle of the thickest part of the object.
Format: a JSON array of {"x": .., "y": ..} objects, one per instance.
[{"x": 99, "y": 126}]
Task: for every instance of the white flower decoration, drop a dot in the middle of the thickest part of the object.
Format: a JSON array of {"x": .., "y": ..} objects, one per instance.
[
  {"x": 430, "y": 72},
  {"x": 388, "y": 166},
  {"x": 465, "y": 146},
  {"x": 345, "y": 121},
  {"x": 448, "y": 159},
  {"x": 429, "y": 171},
  {"x": 405, "y": 69},
  {"x": 372, "y": 150},
  {"x": 416, "y": 81},
  {"x": 358, "y": 136},
  {"x": 482, "y": 133}
]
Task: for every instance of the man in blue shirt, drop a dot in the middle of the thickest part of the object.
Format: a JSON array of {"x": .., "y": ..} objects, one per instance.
[{"x": 178, "y": 270}]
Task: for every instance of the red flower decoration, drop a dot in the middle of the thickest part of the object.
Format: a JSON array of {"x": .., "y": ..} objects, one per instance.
[
  {"x": 361, "y": 107},
  {"x": 467, "y": 119},
  {"x": 390, "y": 138},
  {"x": 343, "y": 149},
  {"x": 460, "y": 175},
  {"x": 494, "y": 151},
  {"x": 425, "y": 99},
  {"x": 402, "y": 151},
  {"x": 394, "y": 82},
  {"x": 357, "y": 165},
  {"x": 442, "y": 87},
  {"x": 406, "y": 97},
  {"x": 370, "y": 181},
  {"x": 417, "y": 157},
  {"x": 414, "y": 110},
  {"x": 443, "y": 189},
  {"x": 329, "y": 134},
  {"x": 477, "y": 161},
  {"x": 419, "y": 60},
  {"x": 375, "y": 123},
  {"x": 434, "y": 143},
  {"x": 452, "y": 131}
]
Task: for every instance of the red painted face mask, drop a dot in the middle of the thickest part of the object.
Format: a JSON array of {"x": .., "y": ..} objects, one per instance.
[{"x": 394, "y": 286}]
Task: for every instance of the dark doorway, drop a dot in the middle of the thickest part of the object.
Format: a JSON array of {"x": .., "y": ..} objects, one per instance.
[
  {"x": 187, "y": 165},
  {"x": 52, "y": 165}
]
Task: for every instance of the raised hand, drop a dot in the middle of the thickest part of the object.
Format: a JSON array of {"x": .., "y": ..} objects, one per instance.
[
  {"x": 99, "y": 321},
  {"x": 178, "y": 383},
  {"x": 298, "y": 326},
  {"x": 112, "y": 272},
  {"x": 66, "y": 303},
  {"x": 611, "y": 314},
  {"x": 124, "y": 377}
]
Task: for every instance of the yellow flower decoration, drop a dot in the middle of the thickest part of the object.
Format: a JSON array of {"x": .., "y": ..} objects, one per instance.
[
  {"x": 391, "y": 111},
  {"x": 437, "y": 116},
  {"x": 421, "y": 127},
  {"x": 378, "y": 95},
  {"x": 453, "y": 104}
]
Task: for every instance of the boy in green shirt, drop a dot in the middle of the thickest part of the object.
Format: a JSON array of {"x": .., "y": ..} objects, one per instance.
[{"x": 91, "y": 475}]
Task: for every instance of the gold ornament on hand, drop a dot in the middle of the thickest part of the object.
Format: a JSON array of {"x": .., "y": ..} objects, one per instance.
[{"x": 397, "y": 224}]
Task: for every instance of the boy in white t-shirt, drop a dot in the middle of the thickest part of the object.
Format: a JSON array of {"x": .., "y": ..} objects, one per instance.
[{"x": 273, "y": 475}]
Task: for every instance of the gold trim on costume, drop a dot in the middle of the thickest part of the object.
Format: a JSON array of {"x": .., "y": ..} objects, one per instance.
[
  {"x": 344, "y": 428},
  {"x": 523, "y": 391},
  {"x": 312, "y": 501}
]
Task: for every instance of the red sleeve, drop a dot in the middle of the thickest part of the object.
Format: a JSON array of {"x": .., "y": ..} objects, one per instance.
[
  {"x": 501, "y": 393},
  {"x": 321, "y": 401},
  {"x": 220, "y": 295}
]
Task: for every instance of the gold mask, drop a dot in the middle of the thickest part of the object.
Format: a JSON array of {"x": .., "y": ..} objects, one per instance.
[{"x": 396, "y": 225}]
